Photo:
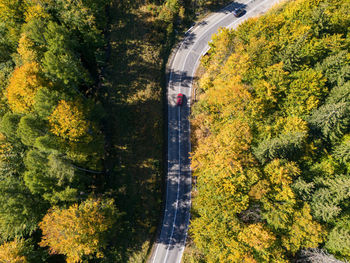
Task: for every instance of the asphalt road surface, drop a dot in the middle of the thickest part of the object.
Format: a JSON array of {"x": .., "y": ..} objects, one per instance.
[{"x": 182, "y": 66}]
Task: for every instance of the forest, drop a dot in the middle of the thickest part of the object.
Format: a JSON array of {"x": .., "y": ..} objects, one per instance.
[
  {"x": 271, "y": 141},
  {"x": 80, "y": 160}
]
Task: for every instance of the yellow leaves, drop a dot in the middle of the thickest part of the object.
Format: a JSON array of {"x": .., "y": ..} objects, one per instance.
[
  {"x": 281, "y": 173},
  {"x": 259, "y": 189},
  {"x": 206, "y": 81},
  {"x": 216, "y": 238},
  {"x": 228, "y": 152},
  {"x": 229, "y": 96},
  {"x": 281, "y": 176},
  {"x": 25, "y": 49},
  {"x": 12, "y": 252},
  {"x": 256, "y": 236},
  {"x": 68, "y": 121},
  {"x": 238, "y": 62},
  {"x": 222, "y": 41},
  {"x": 24, "y": 84},
  {"x": 304, "y": 232},
  {"x": 35, "y": 10},
  {"x": 249, "y": 259},
  {"x": 305, "y": 92},
  {"x": 294, "y": 124},
  {"x": 78, "y": 230}
]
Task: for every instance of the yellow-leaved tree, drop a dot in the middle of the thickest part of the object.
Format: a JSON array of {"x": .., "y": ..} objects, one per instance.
[
  {"x": 24, "y": 84},
  {"x": 68, "y": 121},
  {"x": 13, "y": 252},
  {"x": 80, "y": 230},
  {"x": 26, "y": 49},
  {"x": 303, "y": 231},
  {"x": 36, "y": 9}
]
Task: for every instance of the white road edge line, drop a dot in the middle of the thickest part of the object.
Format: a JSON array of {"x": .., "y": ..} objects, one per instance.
[
  {"x": 178, "y": 186},
  {"x": 210, "y": 17},
  {"x": 234, "y": 22},
  {"x": 167, "y": 191}
]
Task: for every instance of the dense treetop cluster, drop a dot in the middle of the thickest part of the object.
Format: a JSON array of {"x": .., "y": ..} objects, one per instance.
[
  {"x": 271, "y": 138},
  {"x": 51, "y": 145},
  {"x": 70, "y": 152}
]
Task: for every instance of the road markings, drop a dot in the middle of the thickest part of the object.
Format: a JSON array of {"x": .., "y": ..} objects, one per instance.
[{"x": 178, "y": 185}]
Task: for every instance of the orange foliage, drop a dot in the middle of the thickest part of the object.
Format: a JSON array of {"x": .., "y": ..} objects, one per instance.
[
  {"x": 24, "y": 84},
  {"x": 12, "y": 252}
]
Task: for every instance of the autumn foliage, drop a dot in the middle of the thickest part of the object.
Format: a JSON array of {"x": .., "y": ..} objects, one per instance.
[
  {"x": 24, "y": 84},
  {"x": 13, "y": 252},
  {"x": 79, "y": 230},
  {"x": 50, "y": 58},
  {"x": 270, "y": 136},
  {"x": 68, "y": 121}
]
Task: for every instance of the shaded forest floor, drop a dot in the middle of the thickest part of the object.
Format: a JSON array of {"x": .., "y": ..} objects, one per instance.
[{"x": 132, "y": 94}]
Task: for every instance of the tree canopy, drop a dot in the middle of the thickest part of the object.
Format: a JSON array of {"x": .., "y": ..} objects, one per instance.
[{"x": 271, "y": 137}]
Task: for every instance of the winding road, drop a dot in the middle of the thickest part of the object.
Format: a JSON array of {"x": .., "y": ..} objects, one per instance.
[{"x": 181, "y": 69}]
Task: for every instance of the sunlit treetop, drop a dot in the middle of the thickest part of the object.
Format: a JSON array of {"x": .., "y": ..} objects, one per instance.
[
  {"x": 12, "y": 252},
  {"x": 24, "y": 84},
  {"x": 68, "y": 121}
]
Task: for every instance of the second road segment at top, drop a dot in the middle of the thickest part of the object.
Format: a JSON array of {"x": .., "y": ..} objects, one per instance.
[{"x": 182, "y": 67}]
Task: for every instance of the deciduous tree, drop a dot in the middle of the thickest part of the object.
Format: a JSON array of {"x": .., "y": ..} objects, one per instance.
[
  {"x": 81, "y": 230},
  {"x": 13, "y": 252},
  {"x": 68, "y": 121},
  {"x": 24, "y": 84}
]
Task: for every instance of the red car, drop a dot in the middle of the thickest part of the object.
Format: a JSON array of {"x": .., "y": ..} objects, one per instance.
[{"x": 179, "y": 100}]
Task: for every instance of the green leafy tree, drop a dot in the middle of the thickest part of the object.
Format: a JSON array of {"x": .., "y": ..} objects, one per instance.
[
  {"x": 12, "y": 13},
  {"x": 9, "y": 125},
  {"x": 339, "y": 94},
  {"x": 339, "y": 238},
  {"x": 30, "y": 128},
  {"x": 5, "y": 46},
  {"x": 330, "y": 196},
  {"x": 11, "y": 157},
  {"x": 20, "y": 211},
  {"x": 306, "y": 90},
  {"x": 51, "y": 177},
  {"x": 61, "y": 63},
  {"x": 332, "y": 120},
  {"x": 342, "y": 151},
  {"x": 46, "y": 100},
  {"x": 336, "y": 68},
  {"x": 288, "y": 146}
]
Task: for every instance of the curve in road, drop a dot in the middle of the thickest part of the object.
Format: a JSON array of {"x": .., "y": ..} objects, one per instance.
[{"x": 183, "y": 64}]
